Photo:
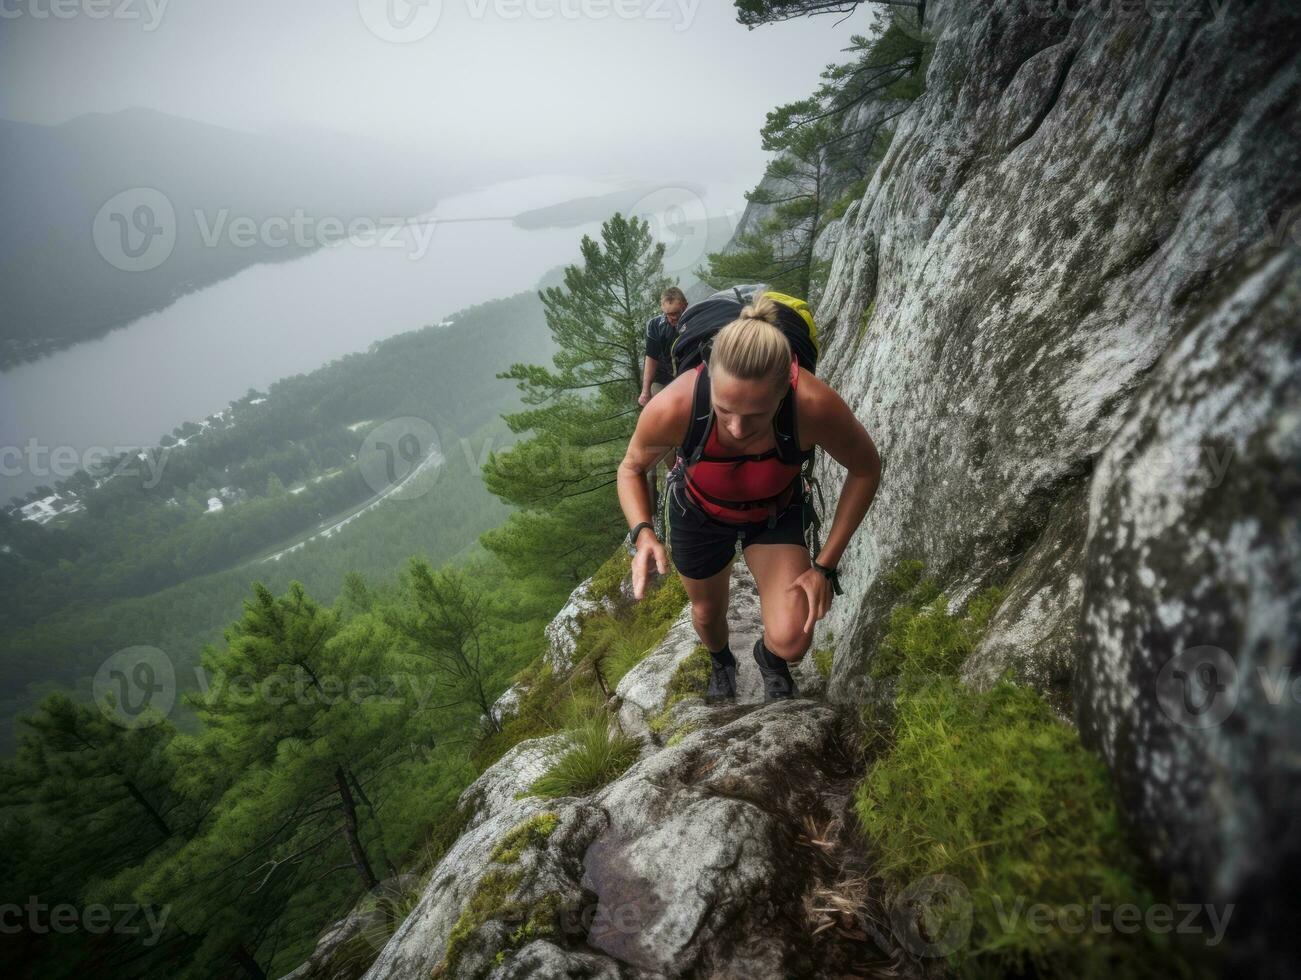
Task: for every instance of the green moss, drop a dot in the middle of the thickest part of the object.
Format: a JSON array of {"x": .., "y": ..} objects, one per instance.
[
  {"x": 533, "y": 831},
  {"x": 607, "y": 579},
  {"x": 610, "y": 643},
  {"x": 866, "y": 319},
  {"x": 991, "y": 788},
  {"x": 541, "y": 711},
  {"x": 691, "y": 678},
  {"x": 921, "y": 635},
  {"x": 615, "y": 642},
  {"x": 491, "y": 900},
  {"x": 822, "y": 660},
  {"x": 541, "y": 921},
  {"x": 680, "y": 733},
  {"x": 660, "y": 721},
  {"x": 597, "y": 758}
]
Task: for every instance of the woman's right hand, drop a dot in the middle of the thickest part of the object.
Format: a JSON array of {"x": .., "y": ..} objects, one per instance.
[{"x": 650, "y": 554}]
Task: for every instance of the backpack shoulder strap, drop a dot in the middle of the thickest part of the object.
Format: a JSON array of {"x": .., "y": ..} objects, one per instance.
[
  {"x": 786, "y": 428},
  {"x": 702, "y": 417}
]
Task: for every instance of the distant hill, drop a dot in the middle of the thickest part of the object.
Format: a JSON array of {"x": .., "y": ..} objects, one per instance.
[{"x": 69, "y": 268}]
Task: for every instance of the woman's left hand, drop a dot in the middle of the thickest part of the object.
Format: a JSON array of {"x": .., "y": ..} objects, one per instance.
[{"x": 818, "y": 590}]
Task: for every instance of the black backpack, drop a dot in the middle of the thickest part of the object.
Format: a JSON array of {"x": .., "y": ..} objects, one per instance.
[{"x": 701, "y": 321}]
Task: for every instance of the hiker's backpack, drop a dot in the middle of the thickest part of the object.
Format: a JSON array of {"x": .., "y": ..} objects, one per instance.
[
  {"x": 702, "y": 320},
  {"x": 698, "y": 325}
]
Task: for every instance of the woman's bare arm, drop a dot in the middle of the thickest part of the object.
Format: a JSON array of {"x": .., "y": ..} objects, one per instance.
[
  {"x": 828, "y": 420},
  {"x": 661, "y": 427}
]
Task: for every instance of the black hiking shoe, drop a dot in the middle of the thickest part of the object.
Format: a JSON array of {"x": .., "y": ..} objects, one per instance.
[
  {"x": 722, "y": 682},
  {"x": 778, "y": 684}
]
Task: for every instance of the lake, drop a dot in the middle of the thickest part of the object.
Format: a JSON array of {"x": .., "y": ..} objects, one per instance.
[{"x": 189, "y": 360}]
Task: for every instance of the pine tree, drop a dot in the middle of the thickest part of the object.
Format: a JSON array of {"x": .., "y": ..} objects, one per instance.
[
  {"x": 827, "y": 147},
  {"x": 563, "y": 476},
  {"x": 87, "y": 803},
  {"x": 297, "y": 720},
  {"x": 443, "y": 623}
]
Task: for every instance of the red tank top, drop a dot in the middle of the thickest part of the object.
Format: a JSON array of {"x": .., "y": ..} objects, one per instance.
[{"x": 766, "y": 481}]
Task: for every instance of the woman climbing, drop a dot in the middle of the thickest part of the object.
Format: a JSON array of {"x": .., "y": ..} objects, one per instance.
[{"x": 742, "y": 486}]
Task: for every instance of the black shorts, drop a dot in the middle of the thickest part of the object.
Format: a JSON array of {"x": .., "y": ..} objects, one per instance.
[{"x": 701, "y": 546}]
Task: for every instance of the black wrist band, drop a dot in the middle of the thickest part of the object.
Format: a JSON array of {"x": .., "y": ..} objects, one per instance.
[
  {"x": 633, "y": 534},
  {"x": 832, "y": 576}
]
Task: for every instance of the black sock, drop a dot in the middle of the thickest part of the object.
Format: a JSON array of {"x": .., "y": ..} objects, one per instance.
[
  {"x": 723, "y": 656},
  {"x": 771, "y": 659}
]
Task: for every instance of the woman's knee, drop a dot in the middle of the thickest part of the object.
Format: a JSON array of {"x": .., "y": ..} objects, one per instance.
[
  {"x": 788, "y": 640},
  {"x": 706, "y": 612}
]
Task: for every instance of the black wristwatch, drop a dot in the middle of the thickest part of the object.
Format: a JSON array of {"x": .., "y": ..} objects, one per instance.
[
  {"x": 632, "y": 535},
  {"x": 832, "y": 576}
]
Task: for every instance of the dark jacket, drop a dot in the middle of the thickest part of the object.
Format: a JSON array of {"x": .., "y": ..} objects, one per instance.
[{"x": 660, "y": 335}]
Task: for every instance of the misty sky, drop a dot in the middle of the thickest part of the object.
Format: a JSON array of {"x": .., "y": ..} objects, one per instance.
[{"x": 645, "y": 88}]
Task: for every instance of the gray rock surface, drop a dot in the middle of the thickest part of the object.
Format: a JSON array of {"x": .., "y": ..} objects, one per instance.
[
  {"x": 1079, "y": 273},
  {"x": 562, "y": 632},
  {"x": 508, "y": 704},
  {"x": 697, "y": 861}
]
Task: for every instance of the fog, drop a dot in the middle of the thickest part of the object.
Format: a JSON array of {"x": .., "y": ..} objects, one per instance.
[
  {"x": 646, "y": 88},
  {"x": 371, "y": 107}
]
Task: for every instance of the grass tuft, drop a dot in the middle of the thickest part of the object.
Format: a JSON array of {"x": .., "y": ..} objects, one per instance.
[{"x": 596, "y": 759}]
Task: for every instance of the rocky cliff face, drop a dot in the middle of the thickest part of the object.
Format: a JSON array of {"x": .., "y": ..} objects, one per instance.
[{"x": 1066, "y": 309}]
